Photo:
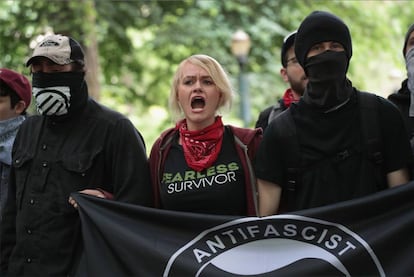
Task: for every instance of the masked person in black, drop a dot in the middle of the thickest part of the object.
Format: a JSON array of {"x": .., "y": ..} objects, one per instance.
[
  {"x": 404, "y": 97},
  {"x": 336, "y": 143},
  {"x": 75, "y": 144}
]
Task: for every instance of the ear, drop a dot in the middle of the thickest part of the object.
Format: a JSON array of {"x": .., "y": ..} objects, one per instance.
[
  {"x": 20, "y": 107},
  {"x": 221, "y": 100},
  {"x": 283, "y": 73}
]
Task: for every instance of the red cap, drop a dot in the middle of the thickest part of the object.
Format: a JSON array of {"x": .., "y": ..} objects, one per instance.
[{"x": 18, "y": 83}]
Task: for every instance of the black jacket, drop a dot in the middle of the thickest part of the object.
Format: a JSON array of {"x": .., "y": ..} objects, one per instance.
[
  {"x": 96, "y": 147},
  {"x": 402, "y": 100}
]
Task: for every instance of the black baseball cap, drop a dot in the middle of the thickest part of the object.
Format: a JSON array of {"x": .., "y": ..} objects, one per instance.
[{"x": 288, "y": 42}]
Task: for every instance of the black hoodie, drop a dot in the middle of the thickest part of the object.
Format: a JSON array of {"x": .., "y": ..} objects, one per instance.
[{"x": 402, "y": 100}]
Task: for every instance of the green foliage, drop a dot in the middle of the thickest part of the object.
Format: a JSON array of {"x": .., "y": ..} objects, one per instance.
[{"x": 140, "y": 44}]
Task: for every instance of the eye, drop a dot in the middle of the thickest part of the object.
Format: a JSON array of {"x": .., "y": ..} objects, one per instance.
[
  {"x": 55, "y": 67},
  {"x": 188, "y": 82},
  {"x": 337, "y": 45},
  {"x": 292, "y": 61},
  {"x": 208, "y": 82},
  {"x": 35, "y": 68},
  {"x": 316, "y": 47}
]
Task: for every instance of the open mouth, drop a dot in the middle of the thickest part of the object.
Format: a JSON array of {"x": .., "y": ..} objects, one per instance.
[{"x": 198, "y": 102}]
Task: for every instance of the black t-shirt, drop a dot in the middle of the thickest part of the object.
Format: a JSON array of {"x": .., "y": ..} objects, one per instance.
[
  {"x": 326, "y": 176},
  {"x": 219, "y": 189}
]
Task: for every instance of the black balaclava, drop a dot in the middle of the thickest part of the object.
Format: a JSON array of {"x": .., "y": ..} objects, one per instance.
[{"x": 328, "y": 86}]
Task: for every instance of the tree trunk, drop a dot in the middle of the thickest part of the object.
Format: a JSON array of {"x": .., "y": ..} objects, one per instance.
[{"x": 92, "y": 51}]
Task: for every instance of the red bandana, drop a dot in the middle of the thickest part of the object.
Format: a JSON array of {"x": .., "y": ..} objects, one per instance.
[
  {"x": 289, "y": 98},
  {"x": 201, "y": 148}
]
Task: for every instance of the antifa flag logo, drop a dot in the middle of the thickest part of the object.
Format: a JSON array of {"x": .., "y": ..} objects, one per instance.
[
  {"x": 276, "y": 245},
  {"x": 369, "y": 236}
]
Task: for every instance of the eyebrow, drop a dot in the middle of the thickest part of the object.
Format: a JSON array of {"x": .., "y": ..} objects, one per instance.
[{"x": 194, "y": 76}]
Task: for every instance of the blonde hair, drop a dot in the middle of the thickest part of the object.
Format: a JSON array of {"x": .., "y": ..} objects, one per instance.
[{"x": 217, "y": 73}]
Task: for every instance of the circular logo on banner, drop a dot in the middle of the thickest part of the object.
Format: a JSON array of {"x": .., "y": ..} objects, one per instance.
[{"x": 275, "y": 245}]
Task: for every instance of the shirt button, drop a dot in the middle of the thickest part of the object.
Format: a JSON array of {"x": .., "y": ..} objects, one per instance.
[
  {"x": 44, "y": 147},
  {"x": 17, "y": 161},
  {"x": 28, "y": 260},
  {"x": 31, "y": 201},
  {"x": 44, "y": 164},
  {"x": 29, "y": 231}
]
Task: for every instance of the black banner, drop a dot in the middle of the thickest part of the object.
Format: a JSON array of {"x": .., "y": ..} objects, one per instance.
[{"x": 367, "y": 236}]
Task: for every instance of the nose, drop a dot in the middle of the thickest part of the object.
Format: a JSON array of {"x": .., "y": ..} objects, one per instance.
[
  {"x": 326, "y": 46},
  {"x": 197, "y": 85}
]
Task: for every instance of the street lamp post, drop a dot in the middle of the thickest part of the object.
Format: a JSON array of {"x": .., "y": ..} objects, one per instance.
[{"x": 240, "y": 47}]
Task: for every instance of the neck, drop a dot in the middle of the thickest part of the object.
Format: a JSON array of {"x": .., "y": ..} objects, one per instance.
[
  {"x": 296, "y": 96},
  {"x": 197, "y": 126}
]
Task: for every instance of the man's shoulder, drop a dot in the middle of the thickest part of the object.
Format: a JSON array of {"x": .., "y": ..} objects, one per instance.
[
  {"x": 266, "y": 115},
  {"x": 284, "y": 124},
  {"x": 31, "y": 120},
  {"x": 104, "y": 113},
  {"x": 266, "y": 111},
  {"x": 269, "y": 109},
  {"x": 368, "y": 100}
]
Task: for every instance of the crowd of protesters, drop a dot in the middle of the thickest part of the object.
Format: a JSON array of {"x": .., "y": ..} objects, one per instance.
[{"x": 324, "y": 142}]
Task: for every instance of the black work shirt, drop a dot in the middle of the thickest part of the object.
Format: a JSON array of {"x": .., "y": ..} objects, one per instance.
[{"x": 97, "y": 148}]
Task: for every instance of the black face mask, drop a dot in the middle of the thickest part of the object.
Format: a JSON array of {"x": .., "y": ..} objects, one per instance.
[
  {"x": 327, "y": 86},
  {"x": 57, "y": 94}
]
